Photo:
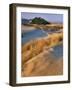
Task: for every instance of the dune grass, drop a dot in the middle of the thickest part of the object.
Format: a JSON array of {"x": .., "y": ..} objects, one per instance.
[{"x": 34, "y": 47}]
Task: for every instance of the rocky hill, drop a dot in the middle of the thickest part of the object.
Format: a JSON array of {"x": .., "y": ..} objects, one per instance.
[
  {"x": 39, "y": 20},
  {"x": 36, "y": 20}
]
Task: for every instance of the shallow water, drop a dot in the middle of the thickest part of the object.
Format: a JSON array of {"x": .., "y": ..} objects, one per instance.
[
  {"x": 58, "y": 51},
  {"x": 37, "y": 33},
  {"x": 33, "y": 35}
]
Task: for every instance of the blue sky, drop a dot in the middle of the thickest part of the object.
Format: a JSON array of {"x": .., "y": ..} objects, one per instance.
[{"x": 46, "y": 16}]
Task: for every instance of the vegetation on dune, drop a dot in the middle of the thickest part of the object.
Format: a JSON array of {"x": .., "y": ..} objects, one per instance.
[{"x": 37, "y": 46}]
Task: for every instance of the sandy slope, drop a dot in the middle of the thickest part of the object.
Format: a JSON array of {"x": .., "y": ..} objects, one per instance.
[{"x": 42, "y": 65}]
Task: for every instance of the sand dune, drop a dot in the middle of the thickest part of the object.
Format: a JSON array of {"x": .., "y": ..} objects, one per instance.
[
  {"x": 39, "y": 62},
  {"x": 34, "y": 47},
  {"x": 43, "y": 64},
  {"x": 37, "y": 59}
]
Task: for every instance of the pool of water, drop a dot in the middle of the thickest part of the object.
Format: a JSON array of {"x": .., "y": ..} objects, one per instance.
[
  {"x": 33, "y": 35},
  {"x": 58, "y": 51},
  {"x": 54, "y": 53}
]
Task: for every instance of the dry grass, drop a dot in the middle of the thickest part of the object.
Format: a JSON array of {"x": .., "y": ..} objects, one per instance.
[{"x": 33, "y": 48}]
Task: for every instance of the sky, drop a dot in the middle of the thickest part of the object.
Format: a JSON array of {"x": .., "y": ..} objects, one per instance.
[{"x": 46, "y": 16}]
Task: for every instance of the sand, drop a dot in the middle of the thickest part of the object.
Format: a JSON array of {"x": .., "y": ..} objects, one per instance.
[
  {"x": 43, "y": 64},
  {"x": 25, "y": 28}
]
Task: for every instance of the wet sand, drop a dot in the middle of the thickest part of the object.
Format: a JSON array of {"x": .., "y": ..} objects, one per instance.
[{"x": 25, "y": 28}]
